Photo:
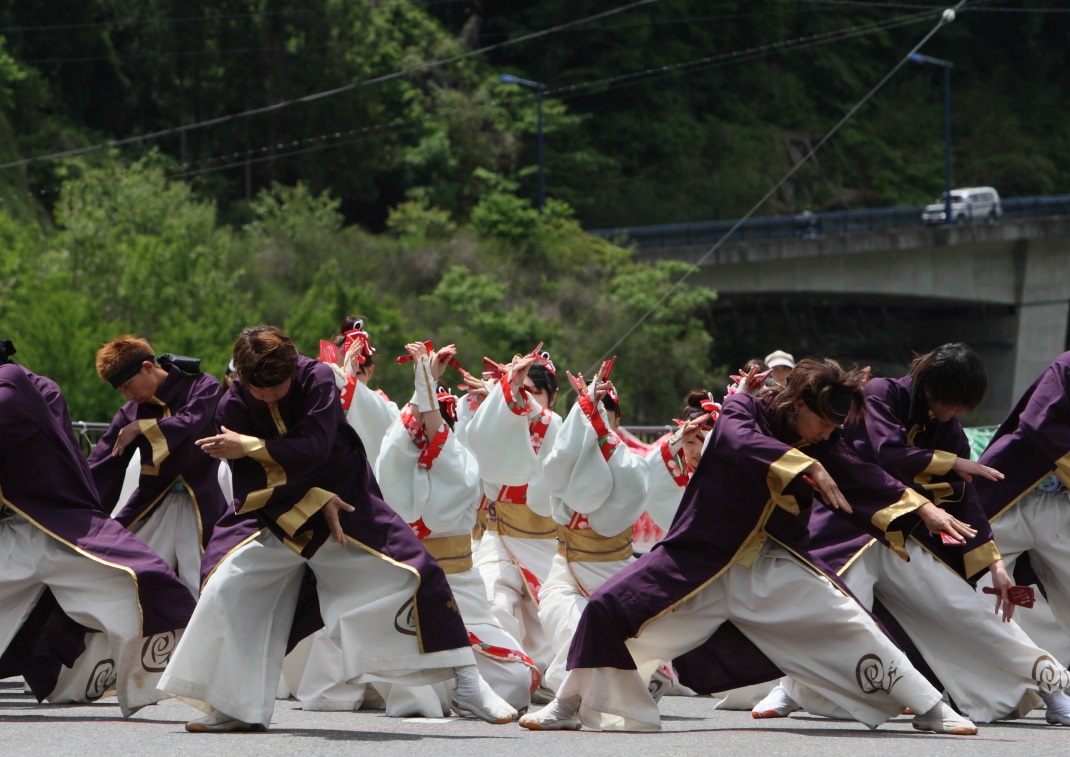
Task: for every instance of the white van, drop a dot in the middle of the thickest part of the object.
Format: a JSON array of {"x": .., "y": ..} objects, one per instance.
[{"x": 967, "y": 205}]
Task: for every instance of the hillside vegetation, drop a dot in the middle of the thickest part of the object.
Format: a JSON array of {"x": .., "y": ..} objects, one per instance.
[{"x": 182, "y": 169}]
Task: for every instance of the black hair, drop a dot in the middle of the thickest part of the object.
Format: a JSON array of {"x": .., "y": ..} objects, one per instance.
[
  {"x": 543, "y": 379},
  {"x": 953, "y": 374}
]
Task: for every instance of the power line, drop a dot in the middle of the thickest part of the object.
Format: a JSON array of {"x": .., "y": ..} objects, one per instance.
[
  {"x": 423, "y": 67},
  {"x": 157, "y": 20},
  {"x": 331, "y": 139},
  {"x": 754, "y": 53},
  {"x": 776, "y": 187}
]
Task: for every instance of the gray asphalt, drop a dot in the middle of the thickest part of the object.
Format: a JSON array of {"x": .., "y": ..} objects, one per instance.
[{"x": 691, "y": 727}]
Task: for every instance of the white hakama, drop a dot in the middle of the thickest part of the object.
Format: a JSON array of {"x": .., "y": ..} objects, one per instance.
[
  {"x": 992, "y": 670},
  {"x": 797, "y": 617},
  {"x": 93, "y": 593},
  {"x": 231, "y": 656}
]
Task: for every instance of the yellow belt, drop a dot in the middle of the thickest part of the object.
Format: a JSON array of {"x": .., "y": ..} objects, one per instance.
[
  {"x": 588, "y": 546},
  {"x": 519, "y": 522},
  {"x": 453, "y": 553}
]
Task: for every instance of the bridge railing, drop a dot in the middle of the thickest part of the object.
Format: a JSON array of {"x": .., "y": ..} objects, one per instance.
[{"x": 813, "y": 225}]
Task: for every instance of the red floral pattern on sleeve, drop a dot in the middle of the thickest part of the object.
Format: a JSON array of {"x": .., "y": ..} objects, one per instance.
[
  {"x": 677, "y": 468},
  {"x": 607, "y": 440}
]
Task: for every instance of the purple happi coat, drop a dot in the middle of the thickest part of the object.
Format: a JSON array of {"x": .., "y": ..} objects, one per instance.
[
  {"x": 1032, "y": 443},
  {"x": 182, "y": 411},
  {"x": 746, "y": 489},
  {"x": 899, "y": 434},
  {"x": 300, "y": 453},
  {"x": 45, "y": 479}
]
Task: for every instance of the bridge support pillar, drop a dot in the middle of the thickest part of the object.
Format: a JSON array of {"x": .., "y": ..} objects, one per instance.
[
  {"x": 1043, "y": 308},
  {"x": 1041, "y": 336}
]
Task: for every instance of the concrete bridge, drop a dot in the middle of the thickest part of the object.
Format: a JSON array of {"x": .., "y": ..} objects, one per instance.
[{"x": 1019, "y": 269}]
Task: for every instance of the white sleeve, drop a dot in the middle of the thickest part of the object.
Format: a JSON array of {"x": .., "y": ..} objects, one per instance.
[
  {"x": 370, "y": 415},
  {"x": 575, "y": 470},
  {"x": 466, "y": 408},
  {"x": 501, "y": 442},
  {"x": 444, "y": 495},
  {"x": 395, "y": 470},
  {"x": 611, "y": 493},
  {"x": 663, "y": 491}
]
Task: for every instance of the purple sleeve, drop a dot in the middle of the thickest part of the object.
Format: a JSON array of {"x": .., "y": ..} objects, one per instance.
[
  {"x": 1045, "y": 420},
  {"x": 886, "y": 434},
  {"x": 286, "y": 478}
]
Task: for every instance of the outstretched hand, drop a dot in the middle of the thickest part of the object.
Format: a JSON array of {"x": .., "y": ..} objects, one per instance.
[
  {"x": 225, "y": 445},
  {"x": 967, "y": 469},
  {"x": 937, "y": 520},
  {"x": 824, "y": 484},
  {"x": 441, "y": 359}
]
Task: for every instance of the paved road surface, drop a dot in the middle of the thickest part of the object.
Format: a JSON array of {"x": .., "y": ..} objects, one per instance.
[{"x": 691, "y": 728}]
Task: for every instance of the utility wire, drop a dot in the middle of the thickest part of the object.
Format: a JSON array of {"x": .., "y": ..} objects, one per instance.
[
  {"x": 330, "y": 140},
  {"x": 155, "y": 20},
  {"x": 753, "y": 53},
  {"x": 423, "y": 67},
  {"x": 791, "y": 172}
]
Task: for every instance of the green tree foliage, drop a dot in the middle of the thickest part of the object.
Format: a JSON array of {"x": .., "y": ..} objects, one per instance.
[
  {"x": 406, "y": 192},
  {"x": 133, "y": 253}
]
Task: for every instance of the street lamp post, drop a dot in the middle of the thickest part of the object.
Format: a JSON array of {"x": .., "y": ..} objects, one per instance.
[
  {"x": 946, "y": 65},
  {"x": 538, "y": 87}
]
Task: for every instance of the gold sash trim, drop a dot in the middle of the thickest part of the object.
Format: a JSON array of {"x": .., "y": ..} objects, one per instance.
[
  {"x": 585, "y": 545},
  {"x": 907, "y": 503},
  {"x": 1062, "y": 469},
  {"x": 150, "y": 428},
  {"x": 453, "y": 553},
  {"x": 980, "y": 558},
  {"x": 519, "y": 522}
]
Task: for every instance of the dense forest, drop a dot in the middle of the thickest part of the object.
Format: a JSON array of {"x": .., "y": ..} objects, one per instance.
[{"x": 181, "y": 169}]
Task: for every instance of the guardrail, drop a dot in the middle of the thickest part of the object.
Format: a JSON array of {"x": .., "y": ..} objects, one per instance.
[
  {"x": 83, "y": 429},
  {"x": 808, "y": 225}
]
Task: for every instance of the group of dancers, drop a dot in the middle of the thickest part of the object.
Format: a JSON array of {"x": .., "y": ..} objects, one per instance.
[{"x": 828, "y": 544}]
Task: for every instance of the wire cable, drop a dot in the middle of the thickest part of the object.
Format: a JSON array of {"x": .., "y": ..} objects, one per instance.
[
  {"x": 421, "y": 68},
  {"x": 941, "y": 22},
  {"x": 320, "y": 142}
]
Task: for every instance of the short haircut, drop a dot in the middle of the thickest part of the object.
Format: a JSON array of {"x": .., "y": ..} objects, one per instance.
[
  {"x": 121, "y": 358},
  {"x": 953, "y": 374},
  {"x": 264, "y": 356}
]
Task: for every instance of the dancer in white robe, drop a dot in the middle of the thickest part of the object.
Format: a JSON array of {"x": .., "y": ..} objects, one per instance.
[
  {"x": 433, "y": 484},
  {"x": 511, "y": 434}
]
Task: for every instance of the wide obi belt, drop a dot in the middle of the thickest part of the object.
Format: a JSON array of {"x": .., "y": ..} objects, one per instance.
[
  {"x": 453, "y": 553},
  {"x": 586, "y": 545},
  {"x": 519, "y": 522}
]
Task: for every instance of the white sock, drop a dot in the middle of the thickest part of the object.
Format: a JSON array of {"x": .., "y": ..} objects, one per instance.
[
  {"x": 467, "y": 681},
  {"x": 1057, "y": 701}
]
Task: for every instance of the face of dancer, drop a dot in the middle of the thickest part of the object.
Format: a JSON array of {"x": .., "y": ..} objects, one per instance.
[
  {"x": 270, "y": 394},
  {"x": 811, "y": 426},
  {"x": 141, "y": 386},
  {"x": 363, "y": 372},
  {"x": 692, "y": 449},
  {"x": 944, "y": 411},
  {"x": 541, "y": 395}
]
